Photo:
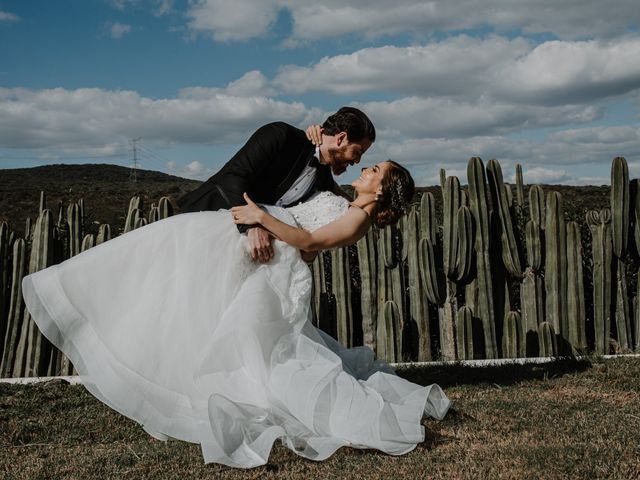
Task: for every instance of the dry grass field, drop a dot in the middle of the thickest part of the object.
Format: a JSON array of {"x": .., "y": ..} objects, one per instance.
[{"x": 566, "y": 419}]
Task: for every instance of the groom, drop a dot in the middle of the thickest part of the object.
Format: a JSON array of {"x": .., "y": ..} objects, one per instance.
[{"x": 280, "y": 166}]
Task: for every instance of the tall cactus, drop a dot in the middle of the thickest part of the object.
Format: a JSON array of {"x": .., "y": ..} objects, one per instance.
[
  {"x": 602, "y": 251},
  {"x": 480, "y": 210},
  {"x": 576, "y": 310},
  {"x": 74, "y": 220},
  {"x": 134, "y": 212},
  {"x": 547, "y": 337},
  {"x": 341, "y": 287},
  {"x": 368, "y": 287},
  {"x": 386, "y": 331},
  {"x": 5, "y": 250},
  {"x": 104, "y": 233},
  {"x": 519, "y": 186},
  {"x": 466, "y": 239},
  {"x": 556, "y": 265},
  {"x": 509, "y": 242},
  {"x": 16, "y": 308},
  {"x": 511, "y": 336},
  {"x": 464, "y": 333},
  {"x": 620, "y": 220},
  {"x": 536, "y": 205},
  {"x": 165, "y": 208},
  {"x": 33, "y": 349},
  {"x": 428, "y": 224},
  {"x": 419, "y": 309}
]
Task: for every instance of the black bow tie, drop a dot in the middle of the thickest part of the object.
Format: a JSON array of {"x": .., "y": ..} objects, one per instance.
[{"x": 314, "y": 162}]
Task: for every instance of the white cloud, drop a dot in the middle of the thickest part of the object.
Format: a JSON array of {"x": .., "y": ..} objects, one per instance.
[
  {"x": 91, "y": 117},
  {"x": 8, "y": 17},
  {"x": 373, "y": 18},
  {"x": 448, "y": 67},
  {"x": 545, "y": 175},
  {"x": 118, "y": 30},
  {"x": 252, "y": 83},
  {"x": 227, "y": 20},
  {"x": 554, "y": 72},
  {"x": 445, "y": 117}
]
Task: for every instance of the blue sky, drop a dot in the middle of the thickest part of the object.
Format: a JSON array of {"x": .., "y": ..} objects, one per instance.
[{"x": 555, "y": 89}]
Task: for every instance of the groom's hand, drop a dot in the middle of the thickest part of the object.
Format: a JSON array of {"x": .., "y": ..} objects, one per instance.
[{"x": 260, "y": 247}]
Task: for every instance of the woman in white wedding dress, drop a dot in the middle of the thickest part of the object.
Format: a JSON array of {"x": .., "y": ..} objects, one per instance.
[{"x": 175, "y": 327}]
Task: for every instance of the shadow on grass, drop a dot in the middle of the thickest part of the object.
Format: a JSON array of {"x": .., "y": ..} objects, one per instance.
[{"x": 458, "y": 374}]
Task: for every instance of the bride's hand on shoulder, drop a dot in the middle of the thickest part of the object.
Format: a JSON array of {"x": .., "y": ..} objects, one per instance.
[
  {"x": 314, "y": 134},
  {"x": 249, "y": 214}
]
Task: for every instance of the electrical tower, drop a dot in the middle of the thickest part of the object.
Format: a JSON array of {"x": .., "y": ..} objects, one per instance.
[{"x": 133, "y": 174}]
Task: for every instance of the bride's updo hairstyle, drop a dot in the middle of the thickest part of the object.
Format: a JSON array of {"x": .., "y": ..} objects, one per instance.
[{"x": 397, "y": 191}]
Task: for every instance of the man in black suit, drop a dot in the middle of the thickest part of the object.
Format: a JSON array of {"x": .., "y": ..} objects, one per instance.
[{"x": 280, "y": 166}]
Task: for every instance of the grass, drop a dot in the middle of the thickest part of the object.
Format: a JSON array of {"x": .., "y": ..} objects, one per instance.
[{"x": 566, "y": 419}]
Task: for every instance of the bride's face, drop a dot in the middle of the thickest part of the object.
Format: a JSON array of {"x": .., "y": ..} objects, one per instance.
[{"x": 370, "y": 179}]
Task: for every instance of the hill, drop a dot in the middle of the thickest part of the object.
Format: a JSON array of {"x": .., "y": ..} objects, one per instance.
[{"x": 106, "y": 190}]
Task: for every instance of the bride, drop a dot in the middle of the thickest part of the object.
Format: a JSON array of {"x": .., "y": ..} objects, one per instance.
[{"x": 174, "y": 326}]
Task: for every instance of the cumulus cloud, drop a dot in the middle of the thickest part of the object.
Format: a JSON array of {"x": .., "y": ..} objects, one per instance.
[
  {"x": 252, "y": 83},
  {"x": 8, "y": 17},
  {"x": 227, "y": 20},
  {"x": 90, "y": 117},
  {"x": 118, "y": 30},
  {"x": 373, "y": 18},
  {"x": 554, "y": 72},
  {"x": 194, "y": 170}
]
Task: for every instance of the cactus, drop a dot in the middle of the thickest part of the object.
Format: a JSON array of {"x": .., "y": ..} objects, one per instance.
[
  {"x": 602, "y": 251},
  {"x": 519, "y": 186},
  {"x": 637, "y": 312},
  {"x": 478, "y": 204},
  {"x": 369, "y": 288},
  {"x": 134, "y": 212},
  {"x": 534, "y": 241},
  {"x": 27, "y": 228},
  {"x": 511, "y": 336},
  {"x": 620, "y": 206},
  {"x": 33, "y": 349},
  {"x": 451, "y": 204},
  {"x": 443, "y": 178},
  {"x": 464, "y": 333},
  {"x": 576, "y": 310},
  {"x": 386, "y": 330},
  {"x": 165, "y": 208},
  {"x": 88, "y": 241},
  {"x": 104, "y": 233},
  {"x": 499, "y": 196},
  {"x": 620, "y": 220},
  {"x": 419, "y": 309},
  {"x": 341, "y": 288},
  {"x": 532, "y": 299},
  {"x": 429, "y": 271},
  {"x": 16, "y": 307},
  {"x": 140, "y": 221},
  {"x": 5, "y": 248},
  {"x": 547, "y": 339},
  {"x": 43, "y": 203},
  {"x": 154, "y": 213},
  {"x": 536, "y": 205},
  {"x": 556, "y": 265},
  {"x": 327, "y": 313},
  {"x": 428, "y": 224},
  {"x": 319, "y": 286},
  {"x": 466, "y": 236},
  {"x": 75, "y": 228}
]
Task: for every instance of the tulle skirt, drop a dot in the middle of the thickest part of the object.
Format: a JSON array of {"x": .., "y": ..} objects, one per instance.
[{"x": 175, "y": 327}]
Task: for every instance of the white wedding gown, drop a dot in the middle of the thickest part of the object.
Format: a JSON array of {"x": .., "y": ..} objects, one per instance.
[{"x": 175, "y": 327}]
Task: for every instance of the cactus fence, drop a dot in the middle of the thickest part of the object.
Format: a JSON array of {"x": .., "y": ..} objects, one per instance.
[{"x": 502, "y": 275}]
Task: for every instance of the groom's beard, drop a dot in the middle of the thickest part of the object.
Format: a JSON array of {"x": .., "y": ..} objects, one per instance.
[{"x": 337, "y": 160}]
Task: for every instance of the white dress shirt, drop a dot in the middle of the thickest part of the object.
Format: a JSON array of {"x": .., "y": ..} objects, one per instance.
[{"x": 301, "y": 185}]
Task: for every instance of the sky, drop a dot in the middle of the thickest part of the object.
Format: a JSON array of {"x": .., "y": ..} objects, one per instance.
[{"x": 554, "y": 86}]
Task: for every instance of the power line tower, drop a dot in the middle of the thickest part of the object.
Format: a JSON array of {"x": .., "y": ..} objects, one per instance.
[{"x": 133, "y": 174}]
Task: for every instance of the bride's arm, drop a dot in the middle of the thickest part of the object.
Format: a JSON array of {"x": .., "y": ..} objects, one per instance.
[{"x": 344, "y": 231}]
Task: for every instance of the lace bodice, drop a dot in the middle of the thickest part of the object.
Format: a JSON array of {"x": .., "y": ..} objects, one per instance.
[{"x": 321, "y": 208}]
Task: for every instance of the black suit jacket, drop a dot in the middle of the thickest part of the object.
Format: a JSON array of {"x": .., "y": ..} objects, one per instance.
[{"x": 265, "y": 167}]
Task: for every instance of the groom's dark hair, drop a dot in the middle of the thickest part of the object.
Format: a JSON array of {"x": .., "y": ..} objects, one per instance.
[{"x": 350, "y": 120}]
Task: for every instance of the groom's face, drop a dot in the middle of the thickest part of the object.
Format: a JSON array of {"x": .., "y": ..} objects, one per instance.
[{"x": 342, "y": 153}]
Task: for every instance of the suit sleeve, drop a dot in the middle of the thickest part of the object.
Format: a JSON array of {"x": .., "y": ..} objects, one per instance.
[{"x": 262, "y": 148}]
